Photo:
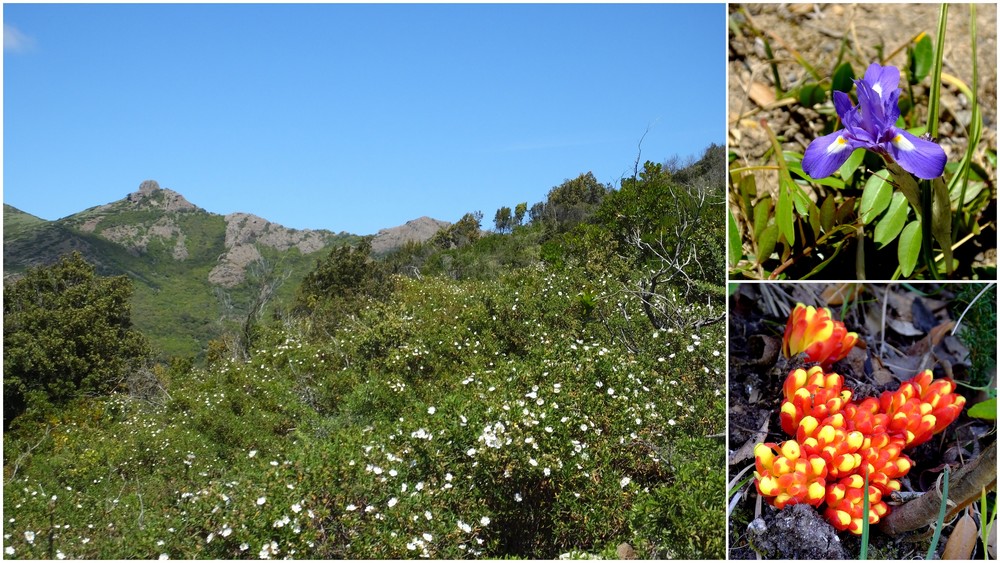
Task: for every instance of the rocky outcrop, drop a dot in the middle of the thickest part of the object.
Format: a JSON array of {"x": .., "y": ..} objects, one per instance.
[
  {"x": 151, "y": 195},
  {"x": 417, "y": 230}
]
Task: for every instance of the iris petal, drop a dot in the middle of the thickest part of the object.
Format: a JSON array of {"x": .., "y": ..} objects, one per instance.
[
  {"x": 920, "y": 157},
  {"x": 826, "y": 154},
  {"x": 845, "y": 109},
  {"x": 882, "y": 79}
]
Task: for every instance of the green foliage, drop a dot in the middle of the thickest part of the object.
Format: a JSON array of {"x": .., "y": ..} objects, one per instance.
[
  {"x": 978, "y": 311},
  {"x": 340, "y": 283},
  {"x": 66, "y": 332}
]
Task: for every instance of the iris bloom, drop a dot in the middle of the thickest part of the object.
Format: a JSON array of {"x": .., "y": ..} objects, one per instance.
[
  {"x": 814, "y": 331},
  {"x": 872, "y": 125}
]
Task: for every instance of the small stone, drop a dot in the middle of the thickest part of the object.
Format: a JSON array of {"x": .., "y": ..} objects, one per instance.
[{"x": 626, "y": 551}]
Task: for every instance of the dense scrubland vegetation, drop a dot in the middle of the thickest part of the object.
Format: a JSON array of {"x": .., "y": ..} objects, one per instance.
[{"x": 555, "y": 387}]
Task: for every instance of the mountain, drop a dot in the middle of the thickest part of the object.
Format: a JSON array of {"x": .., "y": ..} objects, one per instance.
[
  {"x": 190, "y": 268},
  {"x": 417, "y": 230}
]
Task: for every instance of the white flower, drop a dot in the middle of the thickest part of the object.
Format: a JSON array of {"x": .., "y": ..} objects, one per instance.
[
  {"x": 448, "y": 476},
  {"x": 431, "y": 410},
  {"x": 253, "y": 453},
  {"x": 471, "y": 452},
  {"x": 428, "y": 515},
  {"x": 461, "y": 526},
  {"x": 261, "y": 501},
  {"x": 9, "y": 550},
  {"x": 296, "y": 508},
  {"x": 485, "y": 520},
  {"x": 517, "y": 497},
  {"x": 671, "y": 422},
  {"x": 532, "y": 462},
  {"x": 428, "y": 537},
  {"x": 163, "y": 557},
  {"x": 244, "y": 546},
  {"x": 29, "y": 536},
  {"x": 351, "y": 508},
  {"x": 625, "y": 481},
  {"x": 547, "y": 471},
  {"x": 211, "y": 536},
  {"x": 226, "y": 530},
  {"x": 583, "y": 427},
  {"x": 393, "y": 501}
]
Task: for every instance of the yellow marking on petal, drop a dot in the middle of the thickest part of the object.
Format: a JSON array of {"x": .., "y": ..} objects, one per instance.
[{"x": 816, "y": 492}]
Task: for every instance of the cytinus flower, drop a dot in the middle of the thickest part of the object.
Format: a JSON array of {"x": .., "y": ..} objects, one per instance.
[
  {"x": 845, "y": 504},
  {"x": 921, "y": 407},
  {"x": 811, "y": 393},
  {"x": 813, "y": 331},
  {"x": 837, "y": 441},
  {"x": 872, "y": 125},
  {"x": 883, "y": 456},
  {"x": 786, "y": 475},
  {"x": 831, "y": 441}
]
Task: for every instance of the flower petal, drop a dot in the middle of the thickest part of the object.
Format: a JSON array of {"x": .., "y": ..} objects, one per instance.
[
  {"x": 883, "y": 80},
  {"x": 920, "y": 157},
  {"x": 848, "y": 113},
  {"x": 826, "y": 154}
]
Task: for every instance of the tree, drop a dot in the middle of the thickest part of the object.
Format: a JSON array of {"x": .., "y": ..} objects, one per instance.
[
  {"x": 341, "y": 283},
  {"x": 67, "y": 332},
  {"x": 465, "y": 231},
  {"x": 502, "y": 220},
  {"x": 519, "y": 211}
]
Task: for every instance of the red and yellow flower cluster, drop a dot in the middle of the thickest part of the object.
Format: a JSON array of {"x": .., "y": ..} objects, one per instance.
[
  {"x": 818, "y": 335},
  {"x": 837, "y": 440}
]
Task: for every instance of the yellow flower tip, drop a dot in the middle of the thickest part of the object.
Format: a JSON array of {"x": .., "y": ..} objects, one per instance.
[
  {"x": 827, "y": 434},
  {"x": 767, "y": 485},
  {"x": 816, "y": 493},
  {"x": 841, "y": 519},
  {"x": 808, "y": 424},
  {"x": 791, "y": 450},
  {"x": 818, "y": 466},
  {"x": 854, "y": 440}
]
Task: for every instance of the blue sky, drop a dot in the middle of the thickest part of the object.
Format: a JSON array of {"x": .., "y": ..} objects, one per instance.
[{"x": 349, "y": 117}]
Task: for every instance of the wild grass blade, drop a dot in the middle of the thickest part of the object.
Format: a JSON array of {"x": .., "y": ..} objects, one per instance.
[
  {"x": 975, "y": 126},
  {"x": 940, "y": 518},
  {"x": 935, "y": 93}
]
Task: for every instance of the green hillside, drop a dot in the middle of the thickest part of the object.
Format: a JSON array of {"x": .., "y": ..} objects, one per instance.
[
  {"x": 169, "y": 248},
  {"x": 552, "y": 389}
]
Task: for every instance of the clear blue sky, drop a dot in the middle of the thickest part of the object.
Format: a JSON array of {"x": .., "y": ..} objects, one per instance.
[{"x": 349, "y": 117}]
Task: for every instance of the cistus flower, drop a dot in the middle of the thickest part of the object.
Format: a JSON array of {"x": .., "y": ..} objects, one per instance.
[
  {"x": 786, "y": 475},
  {"x": 811, "y": 393},
  {"x": 813, "y": 331},
  {"x": 845, "y": 504},
  {"x": 872, "y": 125},
  {"x": 921, "y": 407}
]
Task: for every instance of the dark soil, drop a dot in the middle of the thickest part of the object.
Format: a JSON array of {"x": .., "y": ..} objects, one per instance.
[{"x": 916, "y": 335}]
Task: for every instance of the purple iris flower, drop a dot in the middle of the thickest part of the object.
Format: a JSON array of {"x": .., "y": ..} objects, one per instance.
[{"x": 872, "y": 125}]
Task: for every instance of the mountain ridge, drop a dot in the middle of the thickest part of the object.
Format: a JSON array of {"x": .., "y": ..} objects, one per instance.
[{"x": 182, "y": 257}]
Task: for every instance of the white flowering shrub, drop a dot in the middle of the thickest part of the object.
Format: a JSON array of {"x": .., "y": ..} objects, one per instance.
[{"x": 452, "y": 420}]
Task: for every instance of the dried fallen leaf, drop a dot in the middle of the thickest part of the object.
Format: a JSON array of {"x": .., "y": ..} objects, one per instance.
[
  {"x": 962, "y": 540},
  {"x": 746, "y": 451},
  {"x": 838, "y": 293},
  {"x": 933, "y": 338},
  {"x": 761, "y": 94}
]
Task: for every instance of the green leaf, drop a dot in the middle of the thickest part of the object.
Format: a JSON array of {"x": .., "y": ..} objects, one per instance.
[
  {"x": 826, "y": 212},
  {"x": 847, "y": 169},
  {"x": 843, "y": 79},
  {"x": 811, "y": 94},
  {"x": 875, "y": 198},
  {"x": 890, "y": 225},
  {"x": 783, "y": 216},
  {"x": 761, "y": 213},
  {"x": 921, "y": 59},
  {"x": 986, "y": 410},
  {"x": 909, "y": 247},
  {"x": 735, "y": 243},
  {"x": 766, "y": 242}
]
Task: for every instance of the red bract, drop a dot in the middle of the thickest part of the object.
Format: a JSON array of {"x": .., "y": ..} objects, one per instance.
[
  {"x": 786, "y": 476},
  {"x": 838, "y": 441},
  {"x": 921, "y": 407},
  {"x": 814, "y": 332},
  {"x": 811, "y": 393},
  {"x": 831, "y": 441},
  {"x": 845, "y": 504}
]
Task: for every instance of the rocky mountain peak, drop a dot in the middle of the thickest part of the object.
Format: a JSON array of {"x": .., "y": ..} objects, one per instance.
[
  {"x": 151, "y": 195},
  {"x": 415, "y": 230}
]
